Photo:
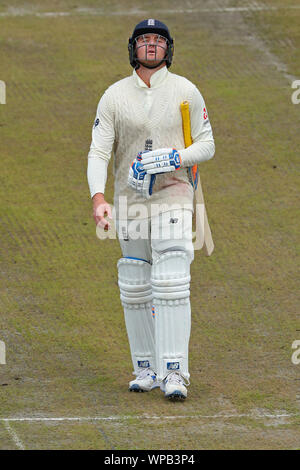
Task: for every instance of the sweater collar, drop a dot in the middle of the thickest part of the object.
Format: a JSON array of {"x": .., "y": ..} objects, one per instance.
[{"x": 156, "y": 79}]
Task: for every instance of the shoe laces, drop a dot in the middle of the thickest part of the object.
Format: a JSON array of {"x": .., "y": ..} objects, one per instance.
[
  {"x": 144, "y": 372},
  {"x": 177, "y": 379}
]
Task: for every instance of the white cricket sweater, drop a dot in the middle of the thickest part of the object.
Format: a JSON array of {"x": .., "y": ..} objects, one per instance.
[{"x": 128, "y": 114}]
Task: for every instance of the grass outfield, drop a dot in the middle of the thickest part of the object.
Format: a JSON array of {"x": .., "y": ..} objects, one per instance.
[{"x": 61, "y": 318}]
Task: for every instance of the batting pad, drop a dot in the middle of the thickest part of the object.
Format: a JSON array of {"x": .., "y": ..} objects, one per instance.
[
  {"x": 170, "y": 279},
  {"x": 136, "y": 298}
]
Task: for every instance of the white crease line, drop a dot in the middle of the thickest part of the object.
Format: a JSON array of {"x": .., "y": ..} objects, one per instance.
[
  {"x": 94, "y": 11},
  {"x": 122, "y": 418},
  {"x": 14, "y": 435}
]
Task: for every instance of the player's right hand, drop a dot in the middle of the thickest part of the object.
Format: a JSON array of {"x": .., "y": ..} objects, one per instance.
[
  {"x": 101, "y": 209},
  {"x": 139, "y": 180}
]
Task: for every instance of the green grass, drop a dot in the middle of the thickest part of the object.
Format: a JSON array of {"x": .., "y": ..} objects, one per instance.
[
  {"x": 279, "y": 29},
  {"x": 61, "y": 318}
]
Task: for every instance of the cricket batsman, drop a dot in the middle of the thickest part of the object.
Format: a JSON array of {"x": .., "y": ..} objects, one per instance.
[{"x": 139, "y": 121}]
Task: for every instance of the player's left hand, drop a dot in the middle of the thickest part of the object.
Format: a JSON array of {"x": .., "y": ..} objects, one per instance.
[{"x": 160, "y": 161}]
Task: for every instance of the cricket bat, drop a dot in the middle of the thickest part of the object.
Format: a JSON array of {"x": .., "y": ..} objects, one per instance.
[{"x": 208, "y": 244}]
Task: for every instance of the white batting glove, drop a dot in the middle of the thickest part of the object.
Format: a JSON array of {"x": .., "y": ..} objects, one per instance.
[
  {"x": 160, "y": 161},
  {"x": 139, "y": 180}
]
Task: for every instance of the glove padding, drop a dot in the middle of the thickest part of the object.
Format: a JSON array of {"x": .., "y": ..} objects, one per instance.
[
  {"x": 160, "y": 161},
  {"x": 139, "y": 180}
]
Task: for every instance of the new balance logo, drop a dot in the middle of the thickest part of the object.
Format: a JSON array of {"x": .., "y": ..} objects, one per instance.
[
  {"x": 143, "y": 364},
  {"x": 125, "y": 234},
  {"x": 173, "y": 366}
]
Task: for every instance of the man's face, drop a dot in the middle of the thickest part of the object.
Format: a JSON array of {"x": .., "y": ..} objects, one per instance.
[{"x": 150, "y": 48}]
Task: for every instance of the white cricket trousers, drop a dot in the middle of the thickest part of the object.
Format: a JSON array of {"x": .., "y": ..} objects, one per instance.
[{"x": 154, "y": 281}]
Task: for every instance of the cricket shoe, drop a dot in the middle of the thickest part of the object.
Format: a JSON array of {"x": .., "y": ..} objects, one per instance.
[
  {"x": 174, "y": 386},
  {"x": 144, "y": 382}
]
